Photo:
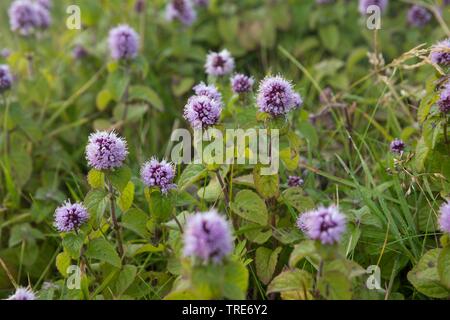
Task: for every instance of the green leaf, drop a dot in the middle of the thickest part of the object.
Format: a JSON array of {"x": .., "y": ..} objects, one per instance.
[
  {"x": 290, "y": 158},
  {"x": 335, "y": 285},
  {"x": 255, "y": 233},
  {"x": 211, "y": 192},
  {"x": 21, "y": 165},
  {"x": 191, "y": 174},
  {"x": 143, "y": 93},
  {"x": 422, "y": 151},
  {"x": 236, "y": 281},
  {"x": 266, "y": 261},
  {"x": 120, "y": 177},
  {"x": 251, "y": 207},
  {"x": 63, "y": 262},
  {"x": 96, "y": 202},
  {"x": 104, "y": 97},
  {"x": 267, "y": 186},
  {"x": 126, "y": 197},
  {"x": 136, "y": 221},
  {"x": 329, "y": 35},
  {"x": 161, "y": 206},
  {"x": 72, "y": 244},
  {"x": 101, "y": 249},
  {"x": 96, "y": 179},
  {"x": 291, "y": 280},
  {"x": 301, "y": 250},
  {"x": 125, "y": 279},
  {"x": 294, "y": 197},
  {"x": 444, "y": 266},
  {"x": 425, "y": 277},
  {"x": 183, "y": 86}
]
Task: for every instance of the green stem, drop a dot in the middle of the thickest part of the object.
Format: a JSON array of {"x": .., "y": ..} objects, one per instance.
[{"x": 114, "y": 219}]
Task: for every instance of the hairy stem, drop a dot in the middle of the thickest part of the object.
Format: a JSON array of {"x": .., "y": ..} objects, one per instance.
[{"x": 114, "y": 219}]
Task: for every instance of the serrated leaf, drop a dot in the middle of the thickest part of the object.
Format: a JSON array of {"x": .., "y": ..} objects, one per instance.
[
  {"x": 143, "y": 93},
  {"x": 266, "y": 261},
  {"x": 301, "y": 250},
  {"x": 72, "y": 244},
  {"x": 120, "y": 177},
  {"x": 444, "y": 266},
  {"x": 295, "y": 198},
  {"x": 236, "y": 281},
  {"x": 63, "y": 262},
  {"x": 136, "y": 220},
  {"x": 267, "y": 186},
  {"x": 291, "y": 280},
  {"x": 101, "y": 249},
  {"x": 125, "y": 278},
  {"x": 96, "y": 179},
  {"x": 126, "y": 197},
  {"x": 251, "y": 207},
  {"x": 191, "y": 174}
]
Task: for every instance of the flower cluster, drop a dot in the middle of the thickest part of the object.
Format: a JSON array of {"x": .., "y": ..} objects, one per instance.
[
  {"x": 6, "y": 79},
  {"x": 26, "y": 16},
  {"x": 295, "y": 181},
  {"x": 397, "y": 146},
  {"x": 209, "y": 91},
  {"x": 276, "y": 96},
  {"x": 202, "y": 112},
  {"x": 418, "y": 16},
  {"x": 365, "y": 4},
  {"x": 444, "y": 219},
  {"x": 241, "y": 83},
  {"x": 158, "y": 174},
  {"x": 326, "y": 225},
  {"x": 181, "y": 10},
  {"x": 207, "y": 237},
  {"x": 219, "y": 63},
  {"x": 23, "y": 294},
  {"x": 123, "y": 43},
  {"x": 106, "y": 150},
  {"x": 440, "y": 53},
  {"x": 444, "y": 99},
  {"x": 70, "y": 217}
]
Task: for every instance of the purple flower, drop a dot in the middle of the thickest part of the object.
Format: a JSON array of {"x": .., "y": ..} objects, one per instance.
[
  {"x": 208, "y": 90},
  {"x": 158, "y": 174},
  {"x": 324, "y": 224},
  {"x": 23, "y": 17},
  {"x": 70, "y": 217},
  {"x": 44, "y": 17},
  {"x": 202, "y": 112},
  {"x": 139, "y": 6},
  {"x": 276, "y": 96},
  {"x": 219, "y": 63},
  {"x": 298, "y": 101},
  {"x": 444, "y": 219},
  {"x": 440, "y": 53},
  {"x": 326, "y": 95},
  {"x": 397, "y": 146},
  {"x": 79, "y": 52},
  {"x": 295, "y": 181},
  {"x": 181, "y": 10},
  {"x": 201, "y": 3},
  {"x": 365, "y": 4},
  {"x": 106, "y": 150},
  {"x": 23, "y": 294},
  {"x": 418, "y": 16},
  {"x": 446, "y": 2},
  {"x": 6, "y": 78},
  {"x": 240, "y": 83},
  {"x": 207, "y": 237},
  {"x": 47, "y": 4},
  {"x": 444, "y": 99},
  {"x": 123, "y": 43}
]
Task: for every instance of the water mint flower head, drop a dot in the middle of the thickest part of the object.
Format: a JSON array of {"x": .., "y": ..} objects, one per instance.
[
  {"x": 47, "y": 4},
  {"x": 158, "y": 174},
  {"x": 440, "y": 53},
  {"x": 6, "y": 78},
  {"x": 139, "y": 6},
  {"x": 202, "y": 112},
  {"x": 365, "y": 4},
  {"x": 219, "y": 63},
  {"x": 210, "y": 91},
  {"x": 181, "y": 10},
  {"x": 295, "y": 181},
  {"x": 123, "y": 43},
  {"x": 397, "y": 146},
  {"x": 298, "y": 101},
  {"x": 326, "y": 225},
  {"x": 444, "y": 99},
  {"x": 23, "y": 294},
  {"x": 70, "y": 217},
  {"x": 207, "y": 237},
  {"x": 79, "y": 52},
  {"x": 23, "y": 17},
  {"x": 44, "y": 17},
  {"x": 418, "y": 16},
  {"x": 240, "y": 83},
  {"x": 105, "y": 150},
  {"x": 276, "y": 96},
  {"x": 444, "y": 219}
]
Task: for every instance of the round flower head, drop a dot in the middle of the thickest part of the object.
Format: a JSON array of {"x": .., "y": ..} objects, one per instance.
[
  {"x": 302, "y": 221},
  {"x": 44, "y": 17},
  {"x": 295, "y": 181},
  {"x": 70, "y": 217},
  {"x": 365, "y": 4},
  {"x": 23, "y": 17},
  {"x": 23, "y": 294},
  {"x": 79, "y": 52},
  {"x": 324, "y": 224},
  {"x": 158, "y": 174},
  {"x": 440, "y": 53},
  {"x": 240, "y": 83},
  {"x": 202, "y": 112},
  {"x": 6, "y": 79},
  {"x": 207, "y": 237},
  {"x": 397, "y": 146},
  {"x": 219, "y": 63},
  {"x": 276, "y": 96},
  {"x": 47, "y": 4},
  {"x": 139, "y": 6},
  {"x": 444, "y": 219},
  {"x": 444, "y": 99},
  {"x": 181, "y": 10},
  {"x": 208, "y": 90},
  {"x": 418, "y": 16},
  {"x": 105, "y": 150},
  {"x": 298, "y": 101},
  {"x": 123, "y": 42}
]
